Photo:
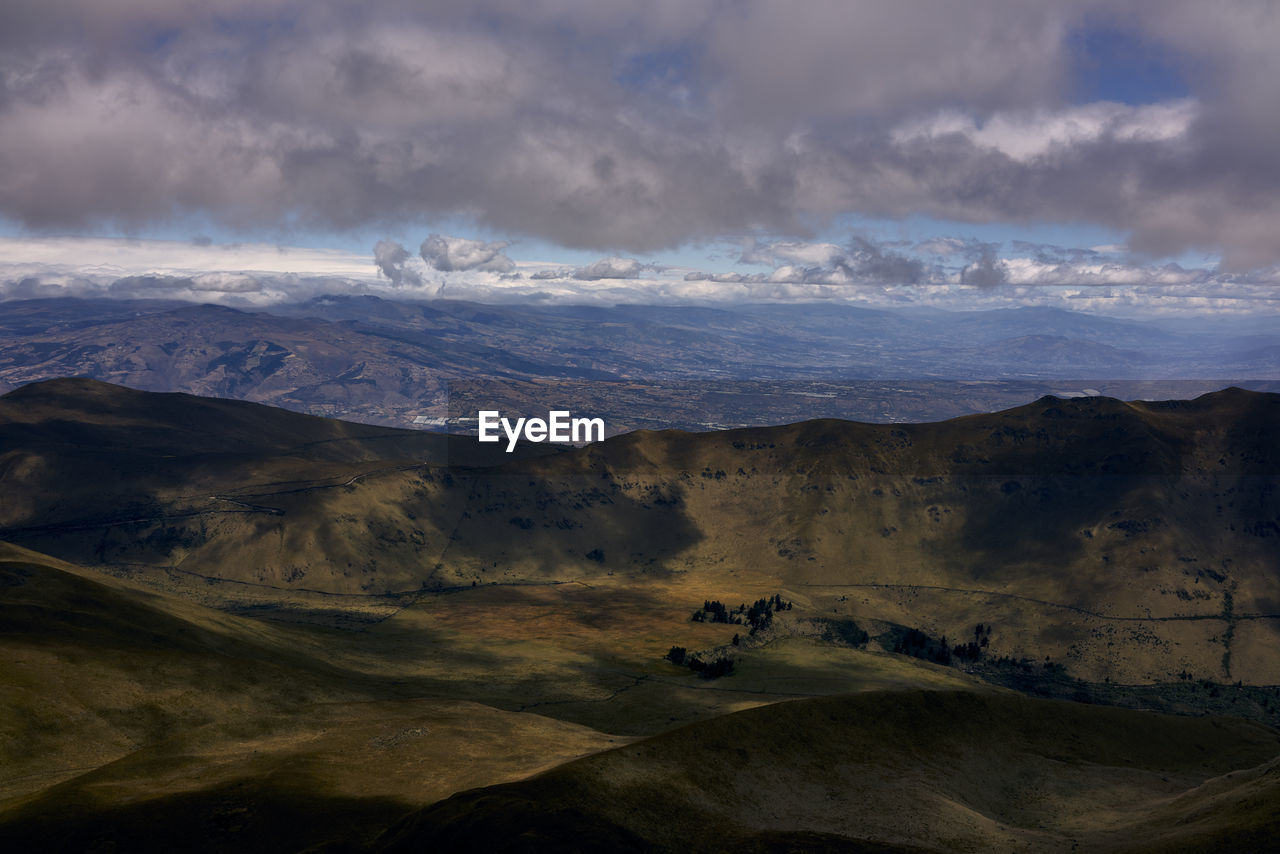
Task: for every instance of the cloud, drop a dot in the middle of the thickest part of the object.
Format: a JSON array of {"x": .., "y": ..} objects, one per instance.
[
  {"x": 1099, "y": 283},
  {"x": 148, "y": 285},
  {"x": 226, "y": 283},
  {"x": 390, "y": 258},
  {"x": 792, "y": 252},
  {"x": 1026, "y": 135},
  {"x": 725, "y": 278},
  {"x": 754, "y": 252},
  {"x": 116, "y": 258},
  {"x": 455, "y": 254},
  {"x": 988, "y": 271},
  {"x": 868, "y": 261},
  {"x": 236, "y": 274},
  {"x": 609, "y": 268},
  {"x": 631, "y": 127},
  {"x": 868, "y": 273},
  {"x": 868, "y": 267},
  {"x": 862, "y": 262},
  {"x": 945, "y": 247},
  {"x": 793, "y": 274},
  {"x": 168, "y": 286}
]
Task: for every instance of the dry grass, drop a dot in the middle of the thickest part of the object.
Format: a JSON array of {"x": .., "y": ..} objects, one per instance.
[
  {"x": 935, "y": 770},
  {"x": 395, "y": 631}
]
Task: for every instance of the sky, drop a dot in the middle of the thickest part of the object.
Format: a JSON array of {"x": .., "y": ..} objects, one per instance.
[{"x": 1121, "y": 157}]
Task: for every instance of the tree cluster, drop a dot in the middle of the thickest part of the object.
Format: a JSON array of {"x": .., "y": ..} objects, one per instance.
[
  {"x": 846, "y": 631},
  {"x": 713, "y": 611},
  {"x": 713, "y": 669},
  {"x": 917, "y": 644},
  {"x": 758, "y": 615},
  {"x": 972, "y": 651}
]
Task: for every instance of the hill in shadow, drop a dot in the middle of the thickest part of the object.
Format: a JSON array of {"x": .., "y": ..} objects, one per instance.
[{"x": 889, "y": 772}]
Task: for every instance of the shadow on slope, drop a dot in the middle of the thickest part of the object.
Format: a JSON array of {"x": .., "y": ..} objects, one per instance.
[
  {"x": 886, "y": 771},
  {"x": 249, "y": 815}
]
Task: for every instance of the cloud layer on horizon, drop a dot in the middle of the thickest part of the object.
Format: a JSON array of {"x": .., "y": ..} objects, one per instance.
[
  {"x": 634, "y": 127},
  {"x": 947, "y": 273}
]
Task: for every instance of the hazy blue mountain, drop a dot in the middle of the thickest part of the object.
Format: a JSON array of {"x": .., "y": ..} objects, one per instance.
[{"x": 381, "y": 361}]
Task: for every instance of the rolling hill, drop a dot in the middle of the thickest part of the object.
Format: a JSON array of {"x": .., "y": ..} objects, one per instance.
[
  {"x": 890, "y": 772},
  {"x": 116, "y": 698},
  {"x": 229, "y": 625},
  {"x": 1130, "y": 541}
]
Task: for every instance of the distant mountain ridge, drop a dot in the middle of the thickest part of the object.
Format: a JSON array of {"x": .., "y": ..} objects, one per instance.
[{"x": 368, "y": 359}]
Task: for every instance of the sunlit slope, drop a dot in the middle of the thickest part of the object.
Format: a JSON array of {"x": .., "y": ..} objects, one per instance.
[
  {"x": 890, "y": 771},
  {"x": 339, "y": 774},
  {"x": 144, "y": 721},
  {"x": 92, "y": 669},
  {"x": 1134, "y": 541},
  {"x": 1084, "y": 529},
  {"x": 112, "y": 696}
]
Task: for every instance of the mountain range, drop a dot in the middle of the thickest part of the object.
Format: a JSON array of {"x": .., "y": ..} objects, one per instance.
[
  {"x": 377, "y": 361},
  {"x": 231, "y": 625}
]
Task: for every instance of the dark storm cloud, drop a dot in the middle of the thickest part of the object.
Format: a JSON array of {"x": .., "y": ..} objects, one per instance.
[
  {"x": 871, "y": 262},
  {"x": 988, "y": 271},
  {"x": 862, "y": 262},
  {"x": 636, "y": 126}
]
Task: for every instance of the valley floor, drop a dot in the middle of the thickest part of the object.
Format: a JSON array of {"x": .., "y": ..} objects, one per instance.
[{"x": 137, "y": 720}]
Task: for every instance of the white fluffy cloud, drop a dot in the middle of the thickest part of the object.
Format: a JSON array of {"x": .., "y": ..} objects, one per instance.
[
  {"x": 96, "y": 257},
  {"x": 792, "y": 252},
  {"x": 454, "y": 254},
  {"x": 1028, "y": 134},
  {"x": 258, "y": 276},
  {"x": 391, "y": 259}
]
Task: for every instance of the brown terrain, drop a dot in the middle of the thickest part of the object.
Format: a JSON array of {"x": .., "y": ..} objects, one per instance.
[{"x": 228, "y": 625}]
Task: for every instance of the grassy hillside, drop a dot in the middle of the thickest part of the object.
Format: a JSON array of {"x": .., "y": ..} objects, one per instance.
[
  {"x": 115, "y": 697},
  {"x": 130, "y": 716},
  {"x": 891, "y": 771},
  {"x": 399, "y": 621},
  {"x": 1133, "y": 542},
  {"x": 141, "y": 721}
]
